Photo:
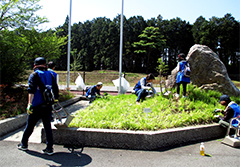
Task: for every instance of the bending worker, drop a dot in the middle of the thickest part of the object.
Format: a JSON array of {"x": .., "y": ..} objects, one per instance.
[
  {"x": 91, "y": 93},
  {"x": 232, "y": 110},
  {"x": 143, "y": 87}
]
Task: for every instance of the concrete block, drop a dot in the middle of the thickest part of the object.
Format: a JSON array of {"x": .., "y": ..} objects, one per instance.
[
  {"x": 136, "y": 140},
  {"x": 10, "y": 124}
]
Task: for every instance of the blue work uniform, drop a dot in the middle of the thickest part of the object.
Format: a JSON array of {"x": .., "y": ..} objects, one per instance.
[
  {"x": 91, "y": 93},
  {"x": 55, "y": 75},
  {"x": 40, "y": 109},
  {"x": 180, "y": 74},
  {"x": 141, "y": 87},
  {"x": 236, "y": 109}
]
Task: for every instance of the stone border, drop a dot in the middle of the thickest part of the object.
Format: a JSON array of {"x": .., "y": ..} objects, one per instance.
[
  {"x": 10, "y": 124},
  {"x": 135, "y": 140}
]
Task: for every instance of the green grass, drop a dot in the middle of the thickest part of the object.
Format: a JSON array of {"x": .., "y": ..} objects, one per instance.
[{"x": 121, "y": 112}]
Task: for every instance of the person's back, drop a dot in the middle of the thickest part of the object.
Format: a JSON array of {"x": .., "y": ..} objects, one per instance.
[
  {"x": 91, "y": 93},
  {"x": 181, "y": 78},
  {"x": 46, "y": 78},
  {"x": 51, "y": 66},
  {"x": 37, "y": 109},
  {"x": 236, "y": 109}
]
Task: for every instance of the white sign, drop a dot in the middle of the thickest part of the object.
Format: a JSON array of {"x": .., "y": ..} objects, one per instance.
[{"x": 147, "y": 110}]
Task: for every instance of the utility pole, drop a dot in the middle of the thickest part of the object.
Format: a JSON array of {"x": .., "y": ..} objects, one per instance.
[
  {"x": 69, "y": 45},
  {"x": 120, "y": 51}
]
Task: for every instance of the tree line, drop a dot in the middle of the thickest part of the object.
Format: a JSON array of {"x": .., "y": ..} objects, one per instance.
[{"x": 95, "y": 43}]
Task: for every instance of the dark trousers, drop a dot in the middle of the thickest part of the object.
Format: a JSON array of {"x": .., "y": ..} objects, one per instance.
[
  {"x": 141, "y": 94},
  {"x": 43, "y": 112},
  {"x": 184, "y": 84}
]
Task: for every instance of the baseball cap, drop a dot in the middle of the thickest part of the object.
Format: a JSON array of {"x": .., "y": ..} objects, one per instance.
[
  {"x": 99, "y": 83},
  {"x": 224, "y": 98},
  {"x": 40, "y": 61},
  {"x": 51, "y": 64},
  {"x": 182, "y": 55}
]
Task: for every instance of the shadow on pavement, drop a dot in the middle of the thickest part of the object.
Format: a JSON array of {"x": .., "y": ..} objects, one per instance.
[{"x": 73, "y": 158}]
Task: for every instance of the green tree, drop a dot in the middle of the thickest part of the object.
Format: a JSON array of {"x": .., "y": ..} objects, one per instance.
[
  {"x": 17, "y": 13},
  {"x": 20, "y": 47},
  {"x": 12, "y": 59},
  {"x": 61, "y": 63},
  {"x": 162, "y": 68},
  {"x": 222, "y": 36},
  {"x": 179, "y": 39},
  {"x": 228, "y": 42},
  {"x": 151, "y": 40},
  {"x": 133, "y": 27}
]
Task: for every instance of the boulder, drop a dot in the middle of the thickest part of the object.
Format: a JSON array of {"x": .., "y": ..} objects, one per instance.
[{"x": 207, "y": 71}]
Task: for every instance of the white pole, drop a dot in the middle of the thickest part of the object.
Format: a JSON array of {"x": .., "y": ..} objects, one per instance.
[
  {"x": 69, "y": 44},
  {"x": 120, "y": 51}
]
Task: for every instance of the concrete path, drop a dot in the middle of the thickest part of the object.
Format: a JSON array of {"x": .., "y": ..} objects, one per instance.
[
  {"x": 185, "y": 156},
  {"x": 36, "y": 135}
]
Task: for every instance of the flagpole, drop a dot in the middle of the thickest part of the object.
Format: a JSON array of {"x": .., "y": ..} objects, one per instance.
[
  {"x": 69, "y": 44},
  {"x": 120, "y": 51}
]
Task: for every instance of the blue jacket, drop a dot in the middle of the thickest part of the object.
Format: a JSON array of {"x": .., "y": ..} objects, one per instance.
[
  {"x": 92, "y": 91},
  {"x": 236, "y": 109},
  {"x": 33, "y": 88},
  {"x": 180, "y": 74},
  {"x": 54, "y": 74},
  {"x": 142, "y": 85}
]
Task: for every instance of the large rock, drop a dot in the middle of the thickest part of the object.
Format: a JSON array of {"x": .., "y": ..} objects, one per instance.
[{"x": 207, "y": 71}]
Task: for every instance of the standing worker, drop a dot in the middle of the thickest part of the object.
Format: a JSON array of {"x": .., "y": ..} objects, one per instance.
[
  {"x": 143, "y": 87},
  {"x": 37, "y": 108},
  {"x": 181, "y": 78},
  {"x": 91, "y": 92},
  {"x": 51, "y": 66}
]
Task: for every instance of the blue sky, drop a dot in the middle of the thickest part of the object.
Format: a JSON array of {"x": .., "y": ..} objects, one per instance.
[{"x": 57, "y": 10}]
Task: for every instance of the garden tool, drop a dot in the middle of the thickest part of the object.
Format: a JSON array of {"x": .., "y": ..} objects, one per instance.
[{"x": 64, "y": 121}]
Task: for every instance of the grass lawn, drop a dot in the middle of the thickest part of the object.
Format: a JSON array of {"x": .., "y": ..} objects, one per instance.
[{"x": 121, "y": 112}]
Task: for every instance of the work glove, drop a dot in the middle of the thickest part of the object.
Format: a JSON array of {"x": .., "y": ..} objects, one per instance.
[
  {"x": 149, "y": 88},
  {"x": 98, "y": 96},
  {"x": 218, "y": 110},
  {"x": 29, "y": 109}
]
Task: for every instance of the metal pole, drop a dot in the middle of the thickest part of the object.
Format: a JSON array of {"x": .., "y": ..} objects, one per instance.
[
  {"x": 120, "y": 51},
  {"x": 69, "y": 44}
]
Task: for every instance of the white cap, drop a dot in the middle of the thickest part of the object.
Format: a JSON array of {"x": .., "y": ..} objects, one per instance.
[{"x": 99, "y": 83}]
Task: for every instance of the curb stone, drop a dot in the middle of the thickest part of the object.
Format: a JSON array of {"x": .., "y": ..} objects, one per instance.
[
  {"x": 135, "y": 140},
  {"x": 10, "y": 124}
]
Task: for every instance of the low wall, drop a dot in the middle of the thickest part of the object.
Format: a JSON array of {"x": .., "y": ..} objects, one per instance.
[
  {"x": 10, "y": 124},
  {"x": 136, "y": 140}
]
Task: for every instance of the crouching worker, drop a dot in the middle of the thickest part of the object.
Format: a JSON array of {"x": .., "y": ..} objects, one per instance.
[
  {"x": 93, "y": 92},
  {"x": 232, "y": 110},
  {"x": 143, "y": 87}
]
